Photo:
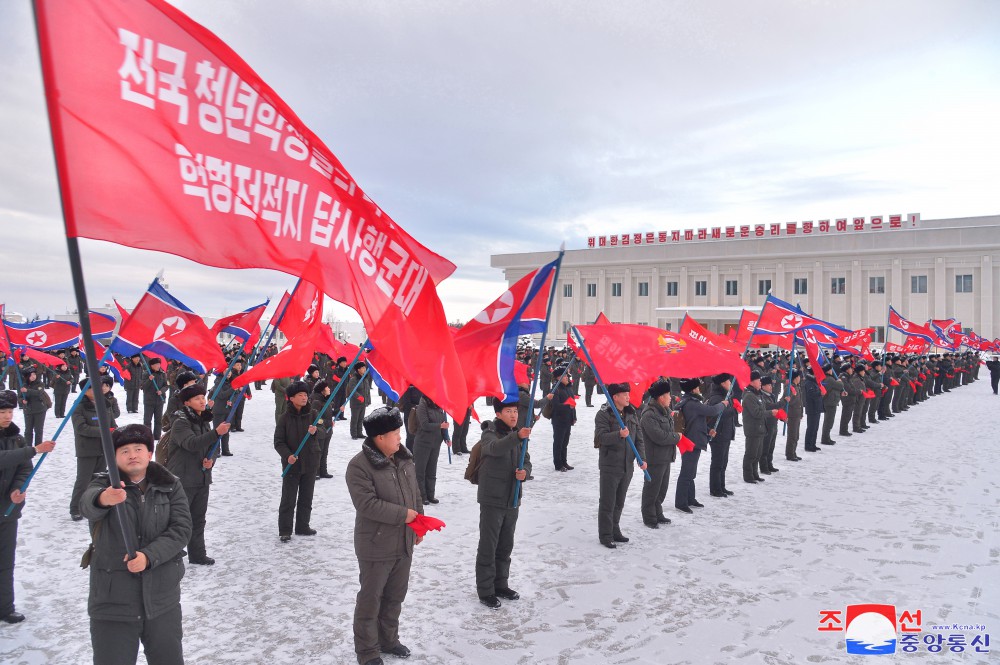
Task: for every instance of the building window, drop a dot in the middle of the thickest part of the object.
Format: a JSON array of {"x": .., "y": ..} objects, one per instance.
[
  {"x": 591, "y": 290},
  {"x": 671, "y": 289},
  {"x": 763, "y": 287},
  {"x": 879, "y": 335},
  {"x": 701, "y": 288},
  {"x": 838, "y": 285},
  {"x": 643, "y": 323},
  {"x": 668, "y": 326},
  {"x": 732, "y": 287},
  {"x": 876, "y": 285},
  {"x": 801, "y": 286},
  {"x": 643, "y": 288},
  {"x": 963, "y": 283},
  {"x": 616, "y": 289},
  {"x": 567, "y": 290},
  {"x": 918, "y": 283},
  {"x": 566, "y": 326}
]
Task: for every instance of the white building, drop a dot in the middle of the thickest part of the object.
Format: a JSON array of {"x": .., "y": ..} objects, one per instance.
[{"x": 847, "y": 271}]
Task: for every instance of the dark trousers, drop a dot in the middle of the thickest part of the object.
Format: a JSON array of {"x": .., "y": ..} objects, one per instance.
[
  {"x": 132, "y": 399},
  {"x": 614, "y": 488},
  {"x": 60, "y": 397},
  {"x": 792, "y": 437},
  {"x": 829, "y": 416},
  {"x": 496, "y": 542},
  {"x": 86, "y": 467},
  {"x": 873, "y": 409},
  {"x": 860, "y": 410},
  {"x": 406, "y": 427},
  {"x": 425, "y": 457},
  {"x": 995, "y": 382},
  {"x": 685, "y": 494},
  {"x": 848, "y": 405},
  {"x": 296, "y": 501},
  {"x": 588, "y": 387},
  {"x": 218, "y": 419},
  {"x": 767, "y": 449},
  {"x": 198, "y": 503},
  {"x": 8, "y": 542},
  {"x": 357, "y": 421},
  {"x": 380, "y": 600},
  {"x": 654, "y": 492},
  {"x": 717, "y": 471},
  {"x": 812, "y": 429},
  {"x": 324, "y": 455},
  {"x": 238, "y": 416},
  {"x": 117, "y": 642},
  {"x": 460, "y": 435},
  {"x": 751, "y": 456},
  {"x": 34, "y": 423},
  {"x": 152, "y": 414},
  {"x": 560, "y": 441}
]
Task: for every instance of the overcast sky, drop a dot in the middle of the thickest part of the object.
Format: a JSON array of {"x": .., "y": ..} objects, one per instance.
[{"x": 493, "y": 127}]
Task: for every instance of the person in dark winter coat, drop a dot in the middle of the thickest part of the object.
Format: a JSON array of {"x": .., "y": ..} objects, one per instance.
[
  {"x": 137, "y": 600},
  {"x": 133, "y": 384},
  {"x": 34, "y": 402},
  {"x": 589, "y": 381},
  {"x": 89, "y": 452},
  {"x": 499, "y": 476},
  {"x": 361, "y": 398},
  {"x": 191, "y": 439},
  {"x": 813, "y": 398},
  {"x": 432, "y": 426},
  {"x": 696, "y": 427},
  {"x": 298, "y": 484},
  {"x": 769, "y": 399},
  {"x": 754, "y": 428},
  {"x": 15, "y": 465},
  {"x": 154, "y": 391},
  {"x": 382, "y": 482},
  {"x": 994, "y": 366},
  {"x": 795, "y": 411},
  {"x": 563, "y": 417},
  {"x": 339, "y": 374},
  {"x": 225, "y": 397},
  {"x": 616, "y": 462},
  {"x": 320, "y": 394},
  {"x": 724, "y": 435},
  {"x": 62, "y": 382},
  {"x": 460, "y": 434},
  {"x": 831, "y": 400},
  {"x": 659, "y": 442}
]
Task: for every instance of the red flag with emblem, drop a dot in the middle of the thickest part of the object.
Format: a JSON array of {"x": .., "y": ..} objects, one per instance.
[
  {"x": 694, "y": 330},
  {"x": 43, "y": 335}
]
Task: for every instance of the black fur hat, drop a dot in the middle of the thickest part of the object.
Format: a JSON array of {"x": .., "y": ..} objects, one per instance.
[
  {"x": 687, "y": 385},
  {"x": 357, "y": 366},
  {"x": 616, "y": 388},
  {"x": 296, "y": 387},
  {"x": 108, "y": 381},
  {"x": 382, "y": 421},
  {"x": 659, "y": 388},
  {"x": 341, "y": 359},
  {"x": 193, "y": 390},
  {"x": 719, "y": 379},
  {"x": 500, "y": 405},
  {"x": 766, "y": 381},
  {"x": 134, "y": 433},
  {"x": 8, "y": 399},
  {"x": 320, "y": 387},
  {"x": 185, "y": 378},
  {"x": 754, "y": 375},
  {"x": 311, "y": 369},
  {"x": 154, "y": 361}
]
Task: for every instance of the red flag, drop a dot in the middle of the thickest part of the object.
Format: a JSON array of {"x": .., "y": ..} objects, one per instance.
[
  {"x": 328, "y": 343},
  {"x": 421, "y": 524},
  {"x": 737, "y": 405},
  {"x": 694, "y": 330},
  {"x": 4, "y": 346},
  {"x": 521, "y": 373},
  {"x": 44, "y": 358},
  {"x": 244, "y": 325},
  {"x": 778, "y": 317},
  {"x": 43, "y": 335},
  {"x": 814, "y": 354},
  {"x": 909, "y": 328},
  {"x": 166, "y": 326},
  {"x": 193, "y": 149},
  {"x": 602, "y": 320},
  {"x": 627, "y": 352},
  {"x": 104, "y": 358},
  {"x": 745, "y": 332},
  {"x": 102, "y": 325},
  {"x": 301, "y": 324},
  {"x": 782, "y": 415},
  {"x": 685, "y": 445}
]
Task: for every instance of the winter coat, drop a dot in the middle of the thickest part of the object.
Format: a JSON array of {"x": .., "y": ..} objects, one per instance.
[
  {"x": 794, "y": 406},
  {"x": 812, "y": 396},
  {"x": 86, "y": 431},
  {"x": 659, "y": 440},
  {"x": 161, "y": 527},
  {"x": 754, "y": 413},
  {"x": 501, "y": 453},
  {"x": 324, "y": 428},
  {"x": 15, "y": 466},
  {"x": 562, "y": 411},
  {"x": 696, "y": 417},
  {"x": 151, "y": 394},
  {"x": 363, "y": 396},
  {"x": 616, "y": 456},
  {"x": 32, "y": 398},
  {"x": 137, "y": 374},
  {"x": 291, "y": 428},
  {"x": 62, "y": 381},
  {"x": 429, "y": 419},
  {"x": 191, "y": 437},
  {"x": 770, "y": 403},
  {"x": 834, "y": 388},
  {"x": 382, "y": 491},
  {"x": 726, "y": 431}
]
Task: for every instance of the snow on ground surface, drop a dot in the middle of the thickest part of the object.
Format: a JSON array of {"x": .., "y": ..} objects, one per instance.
[{"x": 906, "y": 514}]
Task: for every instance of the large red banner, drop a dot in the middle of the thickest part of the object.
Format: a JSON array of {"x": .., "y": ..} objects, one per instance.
[{"x": 167, "y": 140}]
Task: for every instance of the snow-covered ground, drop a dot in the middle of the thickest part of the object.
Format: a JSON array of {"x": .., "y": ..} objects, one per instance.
[{"x": 906, "y": 514}]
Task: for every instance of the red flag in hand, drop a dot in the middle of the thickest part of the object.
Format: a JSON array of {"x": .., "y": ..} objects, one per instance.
[
  {"x": 737, "y": 405},
  {"x": 822, "y": 390},
  {"x": 421, "y": 524},
  {"x": 782, "y": 415},
  {"x": 570, "y": 402},
  {"x": 893, "y": 382},
  {"x": 685, "y": 445}
]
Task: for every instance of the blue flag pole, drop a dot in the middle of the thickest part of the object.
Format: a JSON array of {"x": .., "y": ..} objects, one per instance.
[
  {"x": 326, "y": 405},
  {"x": 530, "y": 417},
  {"x": 611, "y": 403},
  {"x": 729, "y": 393},
  {"x": 222, "y": 378}
]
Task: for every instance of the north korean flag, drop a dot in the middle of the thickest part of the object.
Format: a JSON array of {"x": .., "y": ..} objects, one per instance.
[
  {"x": 43, "y": 335},
  {"x": 781, "y": 318},
  {"x": 245, "y": 324},
  {"x": 102, "y": 326},
  {"x": 164, "y": 325},
  {"x": 487, "y": 345},
  {"x": 909, "y": 328},
  {"x": 105, "y": 358}
]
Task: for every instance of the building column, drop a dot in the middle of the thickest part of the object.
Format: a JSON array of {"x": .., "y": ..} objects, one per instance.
[
  {"x": 817, "y": 293},
  {"x": 713, "y": 287},
  {"x": 985, "y": 299},
  {"x": 778, "y": 285},
  {"x": 896, "y": 292},
  {"x": 602, "y": 291},
  {"x": 940, "y": 310},
  {"x": 748, "y": 288},
  {"x": 855, "y": 294},
  {"x": 628, "y": 296},
  {"x": 654, "y": 298},
  {"x": 682, "y": 288},
  {"x": 578, "y": 296}
]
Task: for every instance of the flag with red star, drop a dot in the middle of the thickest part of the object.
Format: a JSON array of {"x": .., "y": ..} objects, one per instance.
[{"x": 43, "y": 335}]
